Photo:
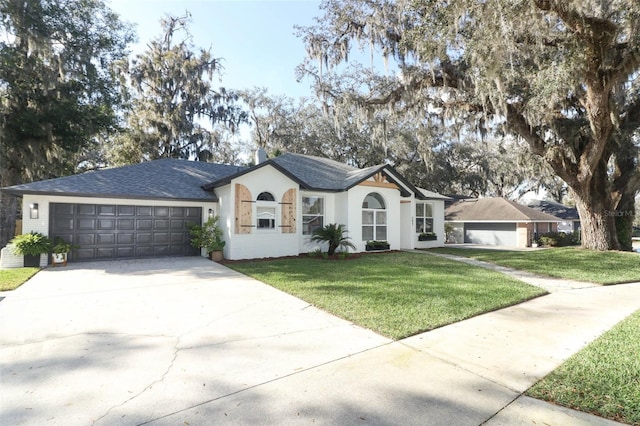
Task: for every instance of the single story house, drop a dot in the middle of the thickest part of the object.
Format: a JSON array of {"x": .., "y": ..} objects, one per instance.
[
  {"x": 497, "y": 221},
  {"x": 268, "y": 210},
  {"x": 570, "y": 219}
]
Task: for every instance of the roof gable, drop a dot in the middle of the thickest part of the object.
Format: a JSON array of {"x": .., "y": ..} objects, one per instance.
[
  {"x": 494, "y": 209},
  {"x": 323, "y": 174},
  {"x": 159, "y": 179}
]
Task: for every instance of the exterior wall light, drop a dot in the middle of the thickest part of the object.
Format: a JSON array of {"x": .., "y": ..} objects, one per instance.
[
  {"x": 33, "y": 210},
  {"x": 210, "y": 213}
]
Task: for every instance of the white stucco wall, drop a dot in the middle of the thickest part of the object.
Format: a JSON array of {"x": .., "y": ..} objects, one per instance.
[
  {"x": 438, "y": 225},
  {"x": 304, "y": 241},
  {"x": 356, "y": 196},
  {"x": 259, "y": 243}
]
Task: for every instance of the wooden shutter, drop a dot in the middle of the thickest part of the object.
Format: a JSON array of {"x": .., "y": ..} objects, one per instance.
[
  {"x": 244, "y": 209},
  {"x": 288, "y": 211}
]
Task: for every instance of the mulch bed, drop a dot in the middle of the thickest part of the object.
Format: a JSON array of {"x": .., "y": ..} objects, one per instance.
[{"x": 351, "y": 256}]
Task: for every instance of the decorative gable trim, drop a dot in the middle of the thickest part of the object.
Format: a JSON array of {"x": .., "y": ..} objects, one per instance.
[{"x": 379, "y": 180}]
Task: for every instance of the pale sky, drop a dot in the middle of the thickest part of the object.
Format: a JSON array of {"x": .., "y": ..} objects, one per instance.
[{"x": 255, "y": 38}]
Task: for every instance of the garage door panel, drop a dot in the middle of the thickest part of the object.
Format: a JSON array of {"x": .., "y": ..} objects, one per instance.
[
  {"x": 177, "y": 211},
  {"x": 144, "y": 211},
  {"x": 161, "y": 212},
  {"x": 194, "y": 213},
  {"x": 161, "y": 251},
  {"x": 106, "y": 239},
  {"x": 161, "y": 224},
  {"x": 65, "y": 237},
  {"x": 497, "y": 234},
  {"x": 178, "y": 238},
  {"x": 144, "y": 238},
  {"x": 161, "y": 237},
  {"x": 126, "y": 210},
  {"x": 106, "y": 224},
  {"x": 63, "y": 209},
  {"x": 144, "y": 224},
  {"x": 64, "y": 224},
  {"x": 125, "y": 224},
  {"x": 84, "y": 254},
  {"x": 86, "y": 209},
  {"x": 84, "y": 224},
  {"x": 144, "y": 251},
  {"x": 106, "y": 252},
  {"x": 105, "y": 231},
  {"x": 126, "y": 238},
  {"x": 124, "y": 252},
  {"x": 85, "y": 239},
  {"x": 177, "y": 224},
  {"x": 106, "y": 210}
]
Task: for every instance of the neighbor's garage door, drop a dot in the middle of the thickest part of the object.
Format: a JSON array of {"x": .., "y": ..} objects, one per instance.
[
  {"x": 493, "y": 234},
  {"x": 114, "y": 231}
]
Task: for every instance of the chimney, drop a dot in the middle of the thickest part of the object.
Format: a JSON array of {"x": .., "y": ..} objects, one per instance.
[{"x": 260, "y": 156}]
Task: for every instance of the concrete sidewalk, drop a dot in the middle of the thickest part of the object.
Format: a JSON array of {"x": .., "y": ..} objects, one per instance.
[
  {"x": 191, "y": 342},
  {"x": 552, "y": 285},
  {"x": 470, "y": 373}
]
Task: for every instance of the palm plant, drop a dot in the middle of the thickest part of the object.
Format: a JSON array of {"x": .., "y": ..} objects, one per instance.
[{"x": 333, "y": 234}]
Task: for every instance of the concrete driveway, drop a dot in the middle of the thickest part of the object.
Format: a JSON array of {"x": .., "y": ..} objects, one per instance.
[
  {"x": 128, "y": 342},
  {"x": 189, "y": 342}
]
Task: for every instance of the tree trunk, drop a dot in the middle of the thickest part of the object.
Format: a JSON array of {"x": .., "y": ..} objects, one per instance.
[
  {"x": 8, "y": 213},
  {"x": 597, "y": 220},
  {"x": 624, "y": 215}
]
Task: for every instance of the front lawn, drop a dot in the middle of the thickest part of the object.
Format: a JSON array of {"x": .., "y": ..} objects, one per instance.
[
  {"x": 10, "y": 279},
  {"x": 394, "y": 294},
  {"x": 603, "y": 378},
  {"x": 573, "y": 263}
]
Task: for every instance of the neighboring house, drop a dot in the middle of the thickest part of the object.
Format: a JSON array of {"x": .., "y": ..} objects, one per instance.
[
  {"x": 497, "y": 221},
  {"x": 268, "y": 210},
  {"x": 569, "y": 215}
]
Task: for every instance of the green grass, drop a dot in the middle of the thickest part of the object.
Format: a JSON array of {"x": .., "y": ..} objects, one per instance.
[
  {"x": 394, "y": 294},
  {"x": 603, "y": 378},
  {"x": 10, "y": 279},
  {"x": 612, "y": 267}
]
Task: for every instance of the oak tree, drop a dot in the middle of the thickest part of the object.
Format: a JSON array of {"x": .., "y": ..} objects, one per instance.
[
  {"x": 57, "y": 91},
  {"x": 561, "y": 75}
]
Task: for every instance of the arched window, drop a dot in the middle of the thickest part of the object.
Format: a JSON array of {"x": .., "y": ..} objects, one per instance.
[
  {"x": 266, "y": 211},
  {"x": 265, "y": 196},
  {"x": 374, "y": 218}
]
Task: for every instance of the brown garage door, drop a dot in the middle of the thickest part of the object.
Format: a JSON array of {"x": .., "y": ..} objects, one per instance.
[{"x": 105, "y": 231}]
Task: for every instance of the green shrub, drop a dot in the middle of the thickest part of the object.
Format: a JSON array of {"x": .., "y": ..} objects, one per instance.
[
  {"x": 558, "y": 239},
  {"x": 315, "y": 253},
  {"x": 32, "y": 244},
  {"x": 335, "y": 235},
  {"x": 207, "y": 236}
]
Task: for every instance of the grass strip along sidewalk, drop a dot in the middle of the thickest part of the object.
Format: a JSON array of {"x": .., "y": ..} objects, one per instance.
[
  {"x": 603, "y": 378},
  {"x": 394, "y": 294},
  {"x": 10, "y": 279},
  {"x": 572, "y": 263}
]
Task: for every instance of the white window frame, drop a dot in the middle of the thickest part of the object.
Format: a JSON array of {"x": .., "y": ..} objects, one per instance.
[
  {"x": 425, "y": 218},
  {"x": 379, "y": 219},
  {"x": 308, "y": 217},
  {"x": 269, "y": 207}
]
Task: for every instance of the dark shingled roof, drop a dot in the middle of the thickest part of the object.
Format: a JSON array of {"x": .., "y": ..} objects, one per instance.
[
  {"x": 556, "y": 209},
  {"x": 494, "y": 209},
  {"x": 194, "y": 180},
  {"x": 322, "y": 174},
  {"x": 159, "y": 179}
]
